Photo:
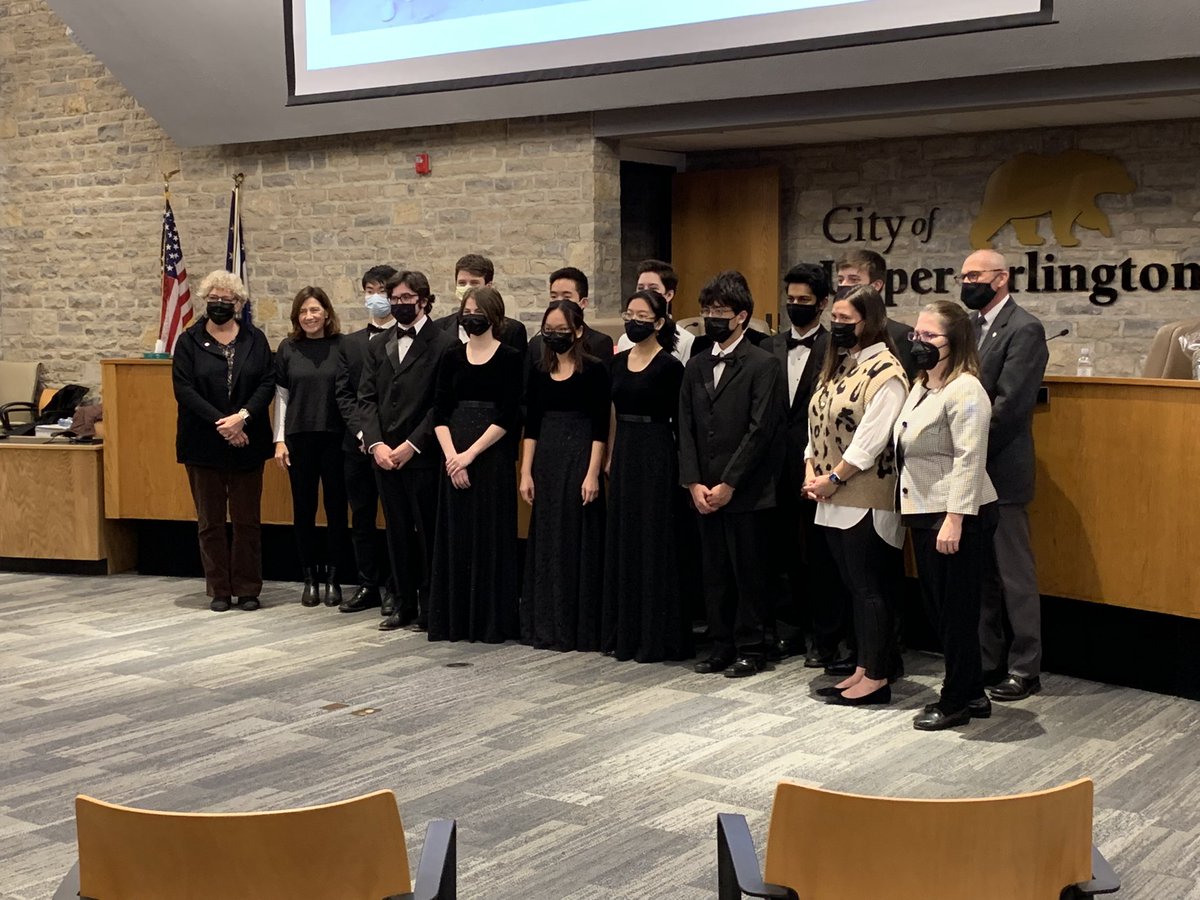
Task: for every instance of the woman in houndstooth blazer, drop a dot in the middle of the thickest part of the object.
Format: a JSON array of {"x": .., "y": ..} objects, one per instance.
[{"x": 948, "y": 501}]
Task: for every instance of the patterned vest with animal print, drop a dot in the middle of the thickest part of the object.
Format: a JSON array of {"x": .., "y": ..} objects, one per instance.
[{"x": 833, "y": 415}]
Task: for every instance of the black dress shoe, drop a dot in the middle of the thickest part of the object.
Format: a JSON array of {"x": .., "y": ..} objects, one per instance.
[
  {"x": 980, "y": 709},
  {"x": 366, "y": 597},
  {"x": 392, "y": 622},
  {"x": 715, "y": 663},
  {"x": 745, "y": 666},
  {"x": 1015, "y": 687},
  {"x": 248, "y": 603},
  {"x": 781, "y": 649},
  {"x": 219, "y": 604},
  {"x": 840, "y": 668},
  {"x": 878, "y": 697},
  {"x": 818, "y": 659},
  {"x": 389, "y": 603},
  {"x": 933, "y": 719}
]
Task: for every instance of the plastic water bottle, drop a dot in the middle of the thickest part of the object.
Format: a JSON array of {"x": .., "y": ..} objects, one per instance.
[{"x": 1085, "y": 367}]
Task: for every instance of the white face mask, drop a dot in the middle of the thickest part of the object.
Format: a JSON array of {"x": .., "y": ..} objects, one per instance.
[{"x": 378, "y": 305}]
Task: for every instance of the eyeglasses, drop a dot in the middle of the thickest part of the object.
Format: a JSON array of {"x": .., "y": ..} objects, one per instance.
[
  {"x": 405, "y": 298},
  {"x": 212, "y": 298},
  {"x": 973, "y": 277},
  {"x": 923, "y": 336},
  {"x": 717, "y": 312},
  {"x": 639, "y": 317},
  {"x": 566, "y": 331}
]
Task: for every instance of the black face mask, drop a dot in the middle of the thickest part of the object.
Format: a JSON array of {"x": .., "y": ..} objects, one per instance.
[
  {"x": 841, "y": 334},
  {"x": 925, "y": 356},
  {"x": 405, "y": 313},
  {"x": 638, "y": 331},
  {"x": 802, "y": 314},
  {"x": 559, "y": 342},
  {"x": 720, "y": 330},
  {"x": 219, "y": 313},
  {"x": 977, "y": 295},
  {"x": 474, "y": 323}
]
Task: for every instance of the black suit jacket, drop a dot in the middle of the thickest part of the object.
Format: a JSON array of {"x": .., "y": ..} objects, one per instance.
[
  {"x": 899, "y": 333},
  {"x": 512, "y": 332},
  {"x": 1013, "y": 360},
  {"x": 352, "y": 357},
  {"x": 734, "y": 432},
  {"x": 395, "y": 399},
  {"x": 797, "y": 414}
]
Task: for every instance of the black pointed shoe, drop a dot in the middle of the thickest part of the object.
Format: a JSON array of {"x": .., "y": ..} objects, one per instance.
[
  {"x": 333, "y": 589},
  {"x": 311, "y": 595},
  {"x": 878, "y": 697},
  {"x": 366, "y": 597}
]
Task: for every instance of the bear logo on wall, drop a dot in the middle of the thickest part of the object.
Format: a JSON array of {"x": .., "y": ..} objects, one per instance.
[{"x": 1063, "y": 186}]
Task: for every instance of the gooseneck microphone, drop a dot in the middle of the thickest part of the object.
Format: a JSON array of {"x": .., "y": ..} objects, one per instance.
[{"x": 1062, "y": 333}]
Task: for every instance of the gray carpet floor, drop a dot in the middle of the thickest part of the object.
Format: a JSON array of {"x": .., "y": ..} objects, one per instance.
[{"x": 571, "y": 775}]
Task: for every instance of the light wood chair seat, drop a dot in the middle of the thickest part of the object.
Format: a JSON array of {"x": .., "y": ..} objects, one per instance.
[
  {"x": 353, "y": 850},
  {"x": 1026, "y": 847}
]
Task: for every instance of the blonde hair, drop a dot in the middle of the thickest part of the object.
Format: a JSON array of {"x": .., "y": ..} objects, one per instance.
[{"x": 223, "y": 281}]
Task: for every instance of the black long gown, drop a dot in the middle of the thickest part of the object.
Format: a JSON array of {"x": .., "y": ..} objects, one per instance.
[
  {"x": 644, "y": 618},
  {"x": 474, "y": 588},
  {"x": 564, "y": 555}
]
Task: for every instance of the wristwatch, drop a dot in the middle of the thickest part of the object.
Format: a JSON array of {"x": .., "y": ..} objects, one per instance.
[
  {"x": 244, "y": 414},
  {"x": 833, "y": 476}
]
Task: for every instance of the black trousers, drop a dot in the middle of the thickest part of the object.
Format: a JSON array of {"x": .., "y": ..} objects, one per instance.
[
  {"x": 809, "y": 595},
  {"x": 736, "y": 583},
  {"x": 316, "y": 459},
  {"x": 952, "y": 585},
  {"x": 410, "y": 497},
  {"x": 867, "y": 564},
  {"x": 363, "y": 494}
]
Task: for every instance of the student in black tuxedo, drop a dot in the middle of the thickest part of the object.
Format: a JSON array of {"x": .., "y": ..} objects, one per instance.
[
  {"x": 859, "y": 267},
  {"x": 361, "y": 488},
  {"x": 571, "y": 284},
  {"x": 1012, "y": 362},
  {"x": 809, "y": 591},
  {"x": 732, "y": 408},
  {"x": 396, "y": 400},
  {"x": 471, "y": 271}
]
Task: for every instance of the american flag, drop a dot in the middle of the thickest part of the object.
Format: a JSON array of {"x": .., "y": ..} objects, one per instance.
[
  {"x": 176, "y": 298},
  {"x": 235, "y": 246}
]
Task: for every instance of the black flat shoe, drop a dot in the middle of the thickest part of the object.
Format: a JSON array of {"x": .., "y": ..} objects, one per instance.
[
  {"x": 361, "y": 600},
  {"x": 878, "y": 697},
  {"x": 745, "y": 666},
  {"x": 1015, "y": 687},
  {"x": 840, "y": 668},
  {"x": 829, "y": 691},
  {"x": 714, "y": 663},
  {"x": 933, "y": 719},
  {"x": 219, "y": 604},
  {"x": 248, "y": 603}
]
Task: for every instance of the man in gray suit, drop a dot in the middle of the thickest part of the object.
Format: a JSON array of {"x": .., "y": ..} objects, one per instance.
[{"x": 1012, "y": 357}]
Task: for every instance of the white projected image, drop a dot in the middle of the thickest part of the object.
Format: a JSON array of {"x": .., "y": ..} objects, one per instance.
[{"x": 346, "y": 16}]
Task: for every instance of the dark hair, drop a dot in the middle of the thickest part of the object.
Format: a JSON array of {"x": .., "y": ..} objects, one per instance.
[
  {"x": 869, "y": 304},
  {"x": 574, "y": 317},
  {"x": 668, "y": 335},
  {"x": 663, "y": 270},
  {"x": 413, "y": 280},
  {"x": 332, "y": 325},
  {"x": 378, "y": 274},
  {"x": 960, "y": 340},
  {"x": 572, "y": 273},
  {"x": 474, "y": 264},
  {"x": 812, "y": 275},
  {"x": 875, "y": 264},
  {"x": 729, "y": 289},
  {"x": 490, "y": 303}
]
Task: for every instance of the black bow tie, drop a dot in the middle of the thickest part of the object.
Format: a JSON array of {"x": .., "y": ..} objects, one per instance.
[
  {"x": 794, "y": 342},
  {"x": 405, "y": 332},
  {"x": 713, "y": 358},
  {"x": 374, "y": 329}
]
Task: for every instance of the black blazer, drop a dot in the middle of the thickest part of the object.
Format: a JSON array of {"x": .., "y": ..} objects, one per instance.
[
  {"x": 198, "y": 375},
  {"x": 352, "y": 357},
  {"x": 899, "y": 333},
  {"x": 1013, "y": 360},
  {"x": 797, "y": 414},
  {"x": 511, "y": 331},
  {"x": 395, "y": 400},
  {"x": 734, "y": 432}
]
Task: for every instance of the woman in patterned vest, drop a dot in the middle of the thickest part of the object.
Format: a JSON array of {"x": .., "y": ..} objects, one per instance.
[{"x": 851, "y": 472}]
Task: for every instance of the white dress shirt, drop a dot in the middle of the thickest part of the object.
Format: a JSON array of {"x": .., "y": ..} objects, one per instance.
[
  {"x": 683, "y": 346},
  {"x": 404, "y": 344},
  {"x": 797, "y": 359},
  {"x": 870, "y": 438},
  {"x": 990, "y": 319},
  {"x": 719, "y": 368}
]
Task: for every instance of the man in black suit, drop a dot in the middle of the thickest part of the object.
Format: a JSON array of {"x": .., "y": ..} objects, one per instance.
[
  {"x": 808, "y": 588},
  {"x": 361, "y": 489},
  {"x": 471, "y": 271},
  {"x": 571, "y": 284},
  {"x": 1012, "y": 359},
  {"x": 859, "y": 267},
  {"x": 731, "y": 443},
  {"x": 396, "y": 409}
]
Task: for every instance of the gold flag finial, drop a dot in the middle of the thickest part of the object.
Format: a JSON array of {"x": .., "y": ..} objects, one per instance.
[{"x": 238, "y": 179}]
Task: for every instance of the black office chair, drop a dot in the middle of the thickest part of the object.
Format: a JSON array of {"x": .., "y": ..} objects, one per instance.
[{"x": 20, "y": 390}]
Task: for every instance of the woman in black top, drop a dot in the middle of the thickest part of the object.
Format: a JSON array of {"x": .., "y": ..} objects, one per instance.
[
  {"x": 223, "y": 383},
  {"x": 308, "y": 437},
  {"x": 568, "y": 409},
  {"x": 473, "y": 594},
  {"x": 643, "y": 618}
]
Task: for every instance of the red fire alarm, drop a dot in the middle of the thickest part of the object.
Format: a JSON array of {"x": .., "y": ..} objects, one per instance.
[{"x": 423, "y": 166}]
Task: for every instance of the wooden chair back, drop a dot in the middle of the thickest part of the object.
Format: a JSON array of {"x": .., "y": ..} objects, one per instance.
[
  {"x": 827, "y": 845},
  {"x": 352, "y": 850}
]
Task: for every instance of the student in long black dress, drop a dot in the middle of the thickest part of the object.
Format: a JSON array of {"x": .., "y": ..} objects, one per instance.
[
  {"x": 643, "y": 617},
  {"x": 474, "y": 592},
  {"x": 308, "y": 438},
  {"x": 565, "y": 436}
]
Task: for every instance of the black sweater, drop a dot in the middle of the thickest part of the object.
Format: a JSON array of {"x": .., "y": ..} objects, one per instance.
[{"x": 307, "y": 370}]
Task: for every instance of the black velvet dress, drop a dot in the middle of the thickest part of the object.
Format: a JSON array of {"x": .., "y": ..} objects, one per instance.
[
  {"x": 474, "y": 588},
  {"x": 564, "y": 556},
  {"x": 643, "y": 617}
]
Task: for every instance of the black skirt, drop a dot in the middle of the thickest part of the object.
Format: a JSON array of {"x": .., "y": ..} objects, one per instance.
[
  {"x": 643, "y": 618},
  {"x": 564, "y": 556},
  {"x": 473, "y": 594}
]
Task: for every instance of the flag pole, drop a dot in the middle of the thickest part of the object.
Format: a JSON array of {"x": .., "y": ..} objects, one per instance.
[{"x": 160, "y": 345}]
